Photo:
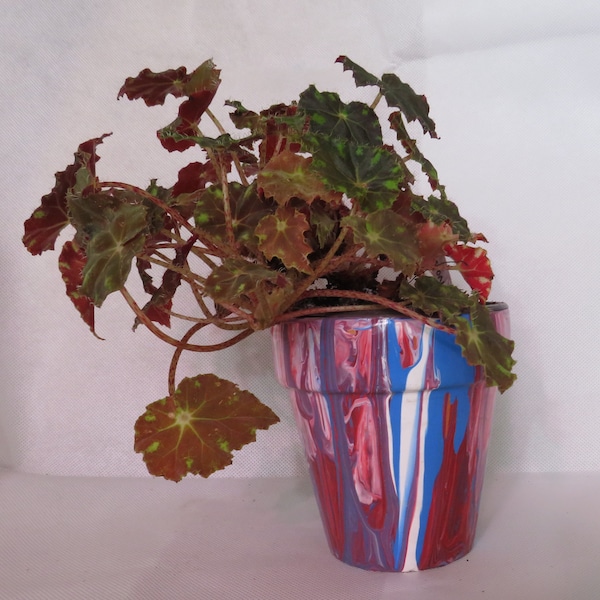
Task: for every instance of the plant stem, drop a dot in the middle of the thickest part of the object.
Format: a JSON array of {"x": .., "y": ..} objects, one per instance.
[
  {"x": 175, "y": 342},
  {"x": 395, "y": 306}
]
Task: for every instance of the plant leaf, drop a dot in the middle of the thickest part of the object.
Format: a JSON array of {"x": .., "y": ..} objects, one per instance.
[
  {"x": 282, "y": 234},
  {"x": 114, "y": 231},
  {"x": 435, "y": 298},
  {"x": 387, "y": 232},
  {"x": 413, "y": 106},
  {"x": 193, "y": 177},
  {"x": 371, "y": 175},
  {"x": 475, "y": 267},
  {"x": 195, "y": 430},
  {"x": 153, "y": 88},
  {"x": 236, "y": 278},
  {"x": 361, "y": 77},
  {"x": 440, "y": 210},
  {"x": 51, "y": 217},
  {"x": 71, "y": 263},
  {"x": 287, "y": 175},
  {"x": 247, "y": 209},
  {"x": 330, "y": 117},
  {"x": 483, "y": 345}
]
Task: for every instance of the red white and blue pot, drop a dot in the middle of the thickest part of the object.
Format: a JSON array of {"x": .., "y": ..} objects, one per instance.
[{"x": 396, "y": 427}]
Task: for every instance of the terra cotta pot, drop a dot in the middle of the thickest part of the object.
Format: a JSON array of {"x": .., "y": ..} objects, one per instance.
[{"x": 396, "y": 426}]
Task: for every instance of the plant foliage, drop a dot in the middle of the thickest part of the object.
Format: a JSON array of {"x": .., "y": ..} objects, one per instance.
[{"x": 308, "y": 209}]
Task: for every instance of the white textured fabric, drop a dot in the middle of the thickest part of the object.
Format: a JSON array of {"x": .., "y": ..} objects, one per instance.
[
  {"x": 514, "y": 89},
  {"x": 261, "y": 539}
]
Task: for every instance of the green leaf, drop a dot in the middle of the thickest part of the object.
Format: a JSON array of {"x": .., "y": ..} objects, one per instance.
[
  {"x": 414, "y": 106},
  {"x": 483, "y": 345},
  {"x": 282, "y": 234},
  {"x": 114, "y": 233},
  {"x": 386, "y": 232},
  {"x": 236, "y": 278},
  {"x": 441, "y": 210},
  {"x": 288, "y": 175},
  {"x": 435, "y": 298},
  {"x": 247, "y": 209},
  {"x": 331, "y": 117},
  {"x": 361, "y": 77},
  {"x": 371, "y": 175},
  {"x": 195, "y": 430}
]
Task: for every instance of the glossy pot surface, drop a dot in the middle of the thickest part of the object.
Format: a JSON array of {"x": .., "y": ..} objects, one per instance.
[{"x": 395, "y": 425}]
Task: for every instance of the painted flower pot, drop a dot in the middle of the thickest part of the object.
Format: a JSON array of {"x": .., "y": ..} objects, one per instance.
[{"x": 396, "y": 427}]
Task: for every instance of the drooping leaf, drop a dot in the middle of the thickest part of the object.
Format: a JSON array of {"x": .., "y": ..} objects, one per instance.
[
  {"x": 386, "y": 232},
  {"x": 410, "y": 146},
  {"x": 330, "y": 117},
  {"x": 439, "y": 210},
  {"x": 159, "y": 306},
  {"x": 71, "y": 263},
  {"x": 435, "y": 298},
  {"x": 483, "y": 345},
  {"x": 361, "y": 77},
  {"x": 195, "y": 430},
  {"x": 51, "y": 217},
  {"x": 475, "y": 267},
  {"x": 287, "y": 175},
  {"x": 433, "y": 242},
  {"x": 115, "y": 234},
  {"x": 414, "y": 106},
  {"x": 247, "y": 209},
  {"x": 282, "y": 235},
  {"x": 371, "y": 175}
]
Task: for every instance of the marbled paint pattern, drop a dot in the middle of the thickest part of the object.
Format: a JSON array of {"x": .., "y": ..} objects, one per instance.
[{"x": 396, "y": 426}]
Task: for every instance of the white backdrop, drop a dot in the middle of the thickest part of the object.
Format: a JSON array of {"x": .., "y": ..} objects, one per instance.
[{"x": 514, "y": 89}]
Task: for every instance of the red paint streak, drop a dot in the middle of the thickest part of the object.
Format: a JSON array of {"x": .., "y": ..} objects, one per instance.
[{"x": 451, "y": 525}]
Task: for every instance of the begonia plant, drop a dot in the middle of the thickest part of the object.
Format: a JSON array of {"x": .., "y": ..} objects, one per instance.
[{"x": 311, "y": 207}]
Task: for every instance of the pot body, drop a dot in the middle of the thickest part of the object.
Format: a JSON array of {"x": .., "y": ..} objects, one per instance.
[{"x": 395, "y": 425}]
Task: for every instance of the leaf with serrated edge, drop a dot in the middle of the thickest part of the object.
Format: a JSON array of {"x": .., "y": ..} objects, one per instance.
[
  {"x": 247, "y": 209},
  {"x": 483, "y": 345},
  {"x": 439, "y": 210},
  {"x": 282, "y": 235},
  {"x": 475, "y": 267},
  {"x": 287, "y": 175},
  {"x": 115, "y": 237},
  {"x": 414, "y": 106},
  {"x": 236, "y": 278},
  {"x": 196, "y": 430},
  {"x": 331, "y": 117},
  {"x": 386, "y": 232},
  {"x": 51, "y": 217},
  {"x": 361, "y": 76},
  {"x": 369, "y": 174}
]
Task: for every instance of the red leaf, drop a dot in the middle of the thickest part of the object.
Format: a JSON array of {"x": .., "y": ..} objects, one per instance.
[
  {"x": 153, "y": 88},
  {"x": 194, "y": 177},
  {"x": 282, "y": 235},
  {"x": 50, "y": 218},
  {"x": 71, "y": 262},
  {"x": 196, "y": 429},
  {"x": 474, "y": 266}
]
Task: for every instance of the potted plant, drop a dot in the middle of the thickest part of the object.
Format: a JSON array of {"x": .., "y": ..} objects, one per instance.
[{"x": 309, "y": 222}]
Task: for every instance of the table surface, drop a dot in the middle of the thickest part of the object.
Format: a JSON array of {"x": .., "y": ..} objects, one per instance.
[{"x": 103, "y": 538}]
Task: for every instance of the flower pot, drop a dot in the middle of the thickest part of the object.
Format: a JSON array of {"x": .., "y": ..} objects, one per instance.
[{"x": 395, "y": 425}]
